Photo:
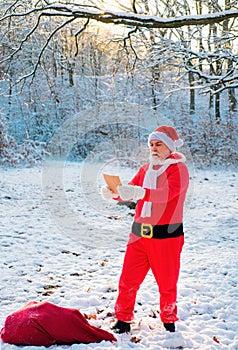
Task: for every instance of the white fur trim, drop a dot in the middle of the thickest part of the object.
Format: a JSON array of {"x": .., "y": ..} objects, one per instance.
[
  {"x": 161, "y": 136},
  {"x": 182, "y": 159},
  {"x": 178, "y": 143}
]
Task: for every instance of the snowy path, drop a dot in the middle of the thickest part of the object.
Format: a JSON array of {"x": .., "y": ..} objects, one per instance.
[{"x": 40, "y": 262}]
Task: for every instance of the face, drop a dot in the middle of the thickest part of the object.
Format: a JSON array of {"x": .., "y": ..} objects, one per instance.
[{"x": 158, "y": 151}]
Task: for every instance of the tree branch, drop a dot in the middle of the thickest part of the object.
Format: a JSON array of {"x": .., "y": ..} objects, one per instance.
[
  {"x": 78, "y": 33},
  {"x": 128, "y": 19},
  {"x": 131, "y": 19},
  {"x": 32, "y": 73}
]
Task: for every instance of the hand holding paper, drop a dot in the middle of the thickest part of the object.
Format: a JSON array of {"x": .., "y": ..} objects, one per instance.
[
  {"x": 107, "y": 193},
  {"x": 112, "y": 182},
  {"x": 129, "y": 192},
  {"x": 115, "y": 188},
  {"x": 110, "y": 191}
]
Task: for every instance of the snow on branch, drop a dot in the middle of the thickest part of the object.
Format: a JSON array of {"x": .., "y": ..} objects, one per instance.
[
  {"x": 138, "y": 20},
  {"x": 124, "y": 18},
  {"x": 33, "y": 72},
  {"x": 69, "y": 13}
]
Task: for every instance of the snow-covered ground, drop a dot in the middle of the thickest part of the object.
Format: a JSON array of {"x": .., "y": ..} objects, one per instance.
[{"x": 63, "y": 245}]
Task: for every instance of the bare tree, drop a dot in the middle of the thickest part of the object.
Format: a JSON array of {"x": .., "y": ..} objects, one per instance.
[
  {"x": 207, "y": 54},
  {"x": 169, "y": 32},
  {"x": 66, "y": 12}
]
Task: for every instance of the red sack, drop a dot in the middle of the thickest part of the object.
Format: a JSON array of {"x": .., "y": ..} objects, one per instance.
[{"x": 45, "y": 324}]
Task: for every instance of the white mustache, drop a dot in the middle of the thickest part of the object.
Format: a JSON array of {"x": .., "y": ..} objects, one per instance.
[{"x": 154, "y": 160}]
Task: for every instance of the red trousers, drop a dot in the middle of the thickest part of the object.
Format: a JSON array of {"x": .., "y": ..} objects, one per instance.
[{"x": 163, "y": 257}]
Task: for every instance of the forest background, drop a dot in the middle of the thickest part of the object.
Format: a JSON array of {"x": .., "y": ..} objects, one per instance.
[{"x": 176, "y": 59}]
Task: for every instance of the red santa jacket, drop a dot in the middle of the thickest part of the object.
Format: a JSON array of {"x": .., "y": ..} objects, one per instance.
[{"x": 169, "y": 196}]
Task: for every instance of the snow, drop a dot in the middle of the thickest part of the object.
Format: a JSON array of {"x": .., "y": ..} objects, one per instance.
[{"x": 41, "y": 259}]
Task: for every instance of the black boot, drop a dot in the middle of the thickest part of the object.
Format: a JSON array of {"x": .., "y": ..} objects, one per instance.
[
  {"x": 121, "y": 327},
  {"x": 169, "y": 327}
]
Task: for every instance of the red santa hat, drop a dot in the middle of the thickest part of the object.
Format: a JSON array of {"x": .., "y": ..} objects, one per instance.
[{"x": 168, "y": 135}]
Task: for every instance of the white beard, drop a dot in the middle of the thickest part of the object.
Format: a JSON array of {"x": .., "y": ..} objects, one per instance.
[{"x": 154, "y": 160}]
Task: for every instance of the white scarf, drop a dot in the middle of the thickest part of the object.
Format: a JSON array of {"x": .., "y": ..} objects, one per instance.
[{"x": 150, "y": 180}]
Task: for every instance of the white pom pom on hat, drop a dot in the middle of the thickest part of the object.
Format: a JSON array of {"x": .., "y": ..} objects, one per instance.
[{"x": 168, "y": 135}]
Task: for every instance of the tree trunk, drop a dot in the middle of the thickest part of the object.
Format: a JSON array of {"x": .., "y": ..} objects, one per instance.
[
  {"x": 231, "y": 92},
  {"x": 155, "y": 78},
  {"x": 71, "y": 73},
  {"x": 192, "y": 92},
  {"x": 217, "y": 108},
  {"x": 232, "y": 100},
  {"x": 200, "y": 44}
]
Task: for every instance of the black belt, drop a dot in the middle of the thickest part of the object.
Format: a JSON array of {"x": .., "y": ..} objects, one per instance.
[{"x": 157, "y": 231}]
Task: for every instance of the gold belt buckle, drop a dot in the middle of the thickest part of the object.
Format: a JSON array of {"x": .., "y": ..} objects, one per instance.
[{"x": 146, "y": 230}]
